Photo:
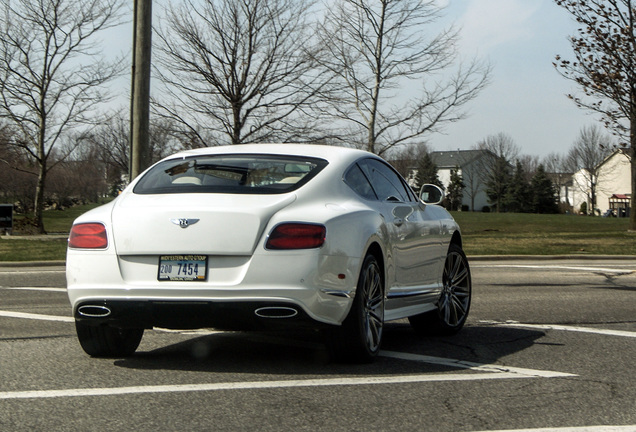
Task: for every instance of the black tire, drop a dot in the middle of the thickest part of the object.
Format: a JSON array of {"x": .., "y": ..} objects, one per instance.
[
  {"x": 359, "y": 337},
  {"x": 102, "y": 341},
  {"x": 454, "y": 301}
]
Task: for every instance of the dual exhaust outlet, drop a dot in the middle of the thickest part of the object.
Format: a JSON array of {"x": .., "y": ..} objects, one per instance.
[{"x": 274, "y": 312}]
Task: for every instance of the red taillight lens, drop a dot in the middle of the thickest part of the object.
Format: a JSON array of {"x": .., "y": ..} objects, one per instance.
[
  {"x": 296, "y": 236},
  {"x": 88, "y": 236}
]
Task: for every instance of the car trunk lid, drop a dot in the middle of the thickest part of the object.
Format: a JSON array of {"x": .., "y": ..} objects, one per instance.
[{"x": 199, "y": 223}]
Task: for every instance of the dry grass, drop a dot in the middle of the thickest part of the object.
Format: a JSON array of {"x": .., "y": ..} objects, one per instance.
[
  {"x": 530, "y": 234},
  {"x": 484, "y": 234}
]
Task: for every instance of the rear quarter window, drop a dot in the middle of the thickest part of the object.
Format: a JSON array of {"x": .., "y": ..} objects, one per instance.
[{"x": 357, "y": 181}]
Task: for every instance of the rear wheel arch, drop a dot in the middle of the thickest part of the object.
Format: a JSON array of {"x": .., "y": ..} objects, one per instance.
[
  {"x": 376, "y": 250},
  {"x": 456, "y": 239}
]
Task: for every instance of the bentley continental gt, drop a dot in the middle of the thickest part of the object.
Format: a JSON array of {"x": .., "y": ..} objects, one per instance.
[{"x": 261, "y": 236}]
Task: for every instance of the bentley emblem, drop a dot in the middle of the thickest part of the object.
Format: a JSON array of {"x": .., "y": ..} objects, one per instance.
[{"x": 183, "y": 222}]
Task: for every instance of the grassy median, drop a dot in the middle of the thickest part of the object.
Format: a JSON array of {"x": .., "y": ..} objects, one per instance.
[
  {"x": 484, "y": 234},
  {"x": 532, "y": 234}
]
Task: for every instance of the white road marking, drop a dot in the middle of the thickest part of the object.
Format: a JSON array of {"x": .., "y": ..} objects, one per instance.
[
  {"x": 35, "y": 289},
  {"x": 558, "y": 267},
  {"x": 25, "y": 272},
  {"x": 483, "y": 372},
  {"x": 520, "y": 372},
  {"x": 10, "y": 314},
  {"x": 626, "y": 428},
  {"x": 621, "y": 333},
  {"x": 501, "y": 373}
]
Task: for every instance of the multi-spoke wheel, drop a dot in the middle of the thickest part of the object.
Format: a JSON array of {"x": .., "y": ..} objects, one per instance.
[
  {"x": 101, "y": 341},
  {"x": 454, "y": 301},
  {"x": 360, "y": 336}
]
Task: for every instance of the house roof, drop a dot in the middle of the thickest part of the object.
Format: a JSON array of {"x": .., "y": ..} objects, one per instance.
[
  {"x": 621, "y": 196},
  {"x": 618, "y": 152}
]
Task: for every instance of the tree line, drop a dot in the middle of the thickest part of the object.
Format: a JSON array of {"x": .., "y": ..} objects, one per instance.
[
  {"x": 374, "y": 74},
  {"x": 364, "y": 73}
]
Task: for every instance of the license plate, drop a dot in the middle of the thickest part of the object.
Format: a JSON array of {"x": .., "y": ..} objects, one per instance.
[{"x": 188, "y": 268}]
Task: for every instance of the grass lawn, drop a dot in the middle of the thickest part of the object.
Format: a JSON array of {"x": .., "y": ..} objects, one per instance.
[
  {"x": 27, "y": 248},
  {"x": 532, "y": 234},
  {"x": 484, "y": 234}
]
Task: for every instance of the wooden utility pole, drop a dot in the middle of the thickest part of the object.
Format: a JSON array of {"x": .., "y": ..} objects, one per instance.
[{"x": 140, "y": 102}]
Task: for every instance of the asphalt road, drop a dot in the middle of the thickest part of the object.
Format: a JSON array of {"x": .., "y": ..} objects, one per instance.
[{"x": 548, "y": 344}]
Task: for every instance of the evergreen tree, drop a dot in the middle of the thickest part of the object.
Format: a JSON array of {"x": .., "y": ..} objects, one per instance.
[
  {"x": 427, "y": 172},
  {"x": 543, "y": 193},
  {"x": 455, "y": 191},
  {"x": 518, "y": 197},
  {"x": 497, "y": 182}
]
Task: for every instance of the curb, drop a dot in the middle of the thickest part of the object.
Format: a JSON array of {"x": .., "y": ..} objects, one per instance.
[{"x": 548, "y": 257}]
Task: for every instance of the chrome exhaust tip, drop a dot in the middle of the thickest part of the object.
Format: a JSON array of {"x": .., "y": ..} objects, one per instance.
[
  {"x": 276, "y": 312},
  {"x": 93, "y": 311}
]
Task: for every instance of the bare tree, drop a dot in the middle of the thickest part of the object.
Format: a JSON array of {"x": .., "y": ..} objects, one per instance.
[
  {"x": 496, "y": 171},
  {"x": 501, "y": 145},
  {"x": 405, "y": 160},
  {"x": 109, "y": 143},
  {"x": 604, "y": 66},
  {"x": 473, "y": 181},
  {"x": 584, "y": 158},
  {"x": 530, "y": 165},
  {"x": 51, "y": 73},
  {"x": 239, "y": 71},
  {"x": 376, "y": 47},
  {"x": 558, "y": 171}
]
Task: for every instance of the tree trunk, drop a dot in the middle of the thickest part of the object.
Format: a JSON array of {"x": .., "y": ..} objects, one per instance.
[
  {"x": 39, "y": 199},
  {"x": 632, "y": 154},
  {"x": 38, "y": 205}
]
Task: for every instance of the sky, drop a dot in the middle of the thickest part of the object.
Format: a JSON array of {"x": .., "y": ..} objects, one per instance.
[{"x": 526, "y": 98}]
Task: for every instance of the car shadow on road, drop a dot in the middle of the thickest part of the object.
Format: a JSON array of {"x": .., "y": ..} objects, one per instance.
[{"x": 294, "y": 353}]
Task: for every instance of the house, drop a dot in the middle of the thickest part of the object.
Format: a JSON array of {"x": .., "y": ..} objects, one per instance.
[
  {"x": 613, "y": 186},
  {"x": 613, "y": 191},
  {"x": 472, "y": 166}
]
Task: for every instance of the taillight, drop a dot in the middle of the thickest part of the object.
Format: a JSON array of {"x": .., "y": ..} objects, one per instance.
[
  {"x": 296, "y": 236},
  {"x": 88, "y": 236}
]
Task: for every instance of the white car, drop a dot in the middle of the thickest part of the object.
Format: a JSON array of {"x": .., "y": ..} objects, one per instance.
[{"x": 260, "y": 236}]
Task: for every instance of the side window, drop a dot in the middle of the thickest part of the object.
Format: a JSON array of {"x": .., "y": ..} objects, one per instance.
[
  {"x": 359, "y": 183},
  {"x": 385, "y": 181}
]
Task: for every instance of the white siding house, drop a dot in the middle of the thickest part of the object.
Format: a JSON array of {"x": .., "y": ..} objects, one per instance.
[
  {"x": 614, "y": 179},
  {"x": 612, "y": 185}
]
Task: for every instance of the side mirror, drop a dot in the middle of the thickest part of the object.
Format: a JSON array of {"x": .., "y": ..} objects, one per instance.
[{"x": 431, "y": 194}]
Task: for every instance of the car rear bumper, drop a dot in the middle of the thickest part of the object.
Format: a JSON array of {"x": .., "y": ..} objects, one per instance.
[
  {"x": 248, "y": 315},
  {"x": 306, "y": 283}
]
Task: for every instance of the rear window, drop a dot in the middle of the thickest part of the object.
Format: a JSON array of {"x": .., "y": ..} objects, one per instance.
[{"x": 238, "y": 174}]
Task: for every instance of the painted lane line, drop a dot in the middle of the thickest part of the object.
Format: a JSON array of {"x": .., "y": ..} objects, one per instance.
[
  {"x": 36, "y": 272},
  {"x": 626, "y": 428},
  {"x": 621, "y": 333},
  {"x": 34, "y": 289},
  {"x": 521, "y": 372},
  {"x": 399, "y": 379},
  {"x": 9, "y": 314}
]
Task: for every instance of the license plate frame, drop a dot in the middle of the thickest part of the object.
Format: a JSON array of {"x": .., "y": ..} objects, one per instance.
[{"x": 182, "y": 268}]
